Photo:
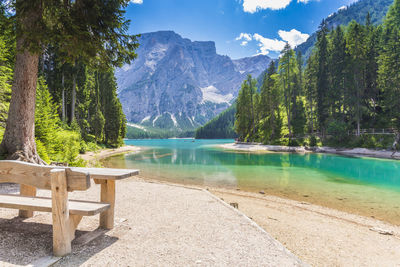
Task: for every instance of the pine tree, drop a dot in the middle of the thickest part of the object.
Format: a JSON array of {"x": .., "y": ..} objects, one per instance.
[
  {"x": 245, "y": 116},
  {"x": 288, "y": 71},
  {"x": 337, "y": 73},
  {"x": 322, "y": 82},
  {"x": 389, "y": 64},
  {"x": 355, "y": 39},
  {"x": 372, "y": 92},
  {"x": 269, "y": 106},
  {"x": 310, "y": 90}
]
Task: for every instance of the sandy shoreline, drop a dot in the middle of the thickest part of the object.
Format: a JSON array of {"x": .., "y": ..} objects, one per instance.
[
  {"x": 93, "y": 157},
  {"x": 319, "y": 235},
  {"x": 355, "y": 152}
]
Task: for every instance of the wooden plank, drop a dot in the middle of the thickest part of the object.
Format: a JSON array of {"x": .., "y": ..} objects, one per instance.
[
  {"x": 76, "y": 207},
  {"x": 74, "y": 221},
  {"x": 25, "y": 173},
  {"x": 38, "y": 176},
  {"x": 30, "y": 191},
  {"x": 77, "y": 180},
  {"x": 108, "y": 196},
  {"x": 60, "y": 213},
  {"x": 107, "y": 173}
]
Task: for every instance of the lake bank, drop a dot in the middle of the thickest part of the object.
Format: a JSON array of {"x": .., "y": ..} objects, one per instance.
[
  {"x": 355, "y": 152},
  {"x": 93, "y": 157},
  {"x": 318, "y": 235}
]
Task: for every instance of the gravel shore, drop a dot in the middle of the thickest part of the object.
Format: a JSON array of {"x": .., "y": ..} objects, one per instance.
[{"x": 157, "y": 225}]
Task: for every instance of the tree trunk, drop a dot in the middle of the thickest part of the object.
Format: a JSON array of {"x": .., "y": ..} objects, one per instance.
[
  {"x": 19, "y": 137},
  {"x": 63, "y": 97},
  {"x": 73, "y": 100}
]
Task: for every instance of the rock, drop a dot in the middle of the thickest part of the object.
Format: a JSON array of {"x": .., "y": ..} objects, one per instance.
[
  {"x": 381, "y": 231},
  {"x": 234, "y": 204},
  {"x": 262, "y": 192}
]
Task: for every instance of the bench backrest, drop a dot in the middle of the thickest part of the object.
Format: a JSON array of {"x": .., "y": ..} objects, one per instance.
[{"x": 39, "y": 176}]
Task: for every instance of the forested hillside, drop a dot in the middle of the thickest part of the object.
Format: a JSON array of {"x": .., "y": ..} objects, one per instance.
[
  {"x": 350, "y": 82},
  {"x": 356, "y": 11},
  {"x": 77, "y": 108},
  {"x": 221, "y": 127}
]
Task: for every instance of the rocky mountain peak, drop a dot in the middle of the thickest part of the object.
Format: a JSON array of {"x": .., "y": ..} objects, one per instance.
[{"x": 177, "y": 83}]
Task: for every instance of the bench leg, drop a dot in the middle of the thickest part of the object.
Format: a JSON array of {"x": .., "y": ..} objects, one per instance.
[
  {"x": 74, "y": 221},
  {"x": 29, "y": 191},
  {"x": 108, "y": 196},
  {"x": 60, "y": 213}
]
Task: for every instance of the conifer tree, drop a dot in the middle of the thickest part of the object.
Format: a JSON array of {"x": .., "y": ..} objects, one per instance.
[
  {"x": 288, "y": 71},
  {"x": 355, "y": 38},
  {"x": 389, "y": 64},
  {"x": 93, "y": 31},
  {"x": 337, "y": 72},
  {"x": 322, "y": 83}
]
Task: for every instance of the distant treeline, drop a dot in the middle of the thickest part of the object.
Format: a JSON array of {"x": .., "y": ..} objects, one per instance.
[
  {"x": 221, "y": 127},
  {"x": 155, "y": 133}
]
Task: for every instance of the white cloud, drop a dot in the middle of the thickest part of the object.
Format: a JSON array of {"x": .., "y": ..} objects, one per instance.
[
  {"x": 266, "y": 44},
  {"x": 139, "y": 2},
  {"x": 293, "y": 37},
  {"x": 253, "y": 6},
  {"x": 244, "y": 36}
]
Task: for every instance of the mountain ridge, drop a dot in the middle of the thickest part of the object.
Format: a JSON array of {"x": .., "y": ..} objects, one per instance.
[{"x": 179, "y": 83}]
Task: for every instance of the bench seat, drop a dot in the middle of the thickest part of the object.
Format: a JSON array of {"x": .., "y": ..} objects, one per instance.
[{"x": 76, "y": 207}]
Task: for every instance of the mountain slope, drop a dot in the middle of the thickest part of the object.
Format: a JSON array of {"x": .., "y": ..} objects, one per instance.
[
  {"x": 356, "y": 11},
  {"x": 221, "y": 127},
  {"x": 179, "y": 84}
]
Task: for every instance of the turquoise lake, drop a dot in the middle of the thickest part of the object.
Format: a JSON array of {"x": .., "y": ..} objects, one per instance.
[{"x": 365, "y": 186}]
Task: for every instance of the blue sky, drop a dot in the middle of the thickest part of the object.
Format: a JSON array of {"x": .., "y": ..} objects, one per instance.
[{"x": 240, "y": 28}]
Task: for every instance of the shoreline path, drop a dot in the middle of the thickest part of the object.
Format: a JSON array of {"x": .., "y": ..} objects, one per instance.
[{"x": 156, "y": 225}]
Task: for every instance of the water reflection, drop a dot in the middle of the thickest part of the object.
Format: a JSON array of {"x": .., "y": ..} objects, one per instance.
[{"x": 202, "y": 158}]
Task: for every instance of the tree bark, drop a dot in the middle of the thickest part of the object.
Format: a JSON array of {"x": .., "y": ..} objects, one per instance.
[
  {"x": 63, "y": 97},
  {"x": 19, "y": 137},
  {"x": 73, "y": 100}
]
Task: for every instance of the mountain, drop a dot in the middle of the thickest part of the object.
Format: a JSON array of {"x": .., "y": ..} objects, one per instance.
[
  {"x": 356, "y": 11},
  {"x": 179, "y": 84}
]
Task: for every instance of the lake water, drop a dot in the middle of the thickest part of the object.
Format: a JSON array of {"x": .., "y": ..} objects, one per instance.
[{"x": 369, "y": 187}]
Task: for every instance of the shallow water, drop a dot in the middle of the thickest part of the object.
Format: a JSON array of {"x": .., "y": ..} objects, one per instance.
[{"x": 364, "y": 186}]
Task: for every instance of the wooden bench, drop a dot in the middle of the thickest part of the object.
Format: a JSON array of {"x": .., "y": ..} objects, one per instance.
[{"x": 66, "y": 214}]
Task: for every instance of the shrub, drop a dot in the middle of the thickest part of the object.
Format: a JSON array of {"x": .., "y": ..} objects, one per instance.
[
  {"x": 66, "y": 146},
  {"x": 41, "y": 150}
]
